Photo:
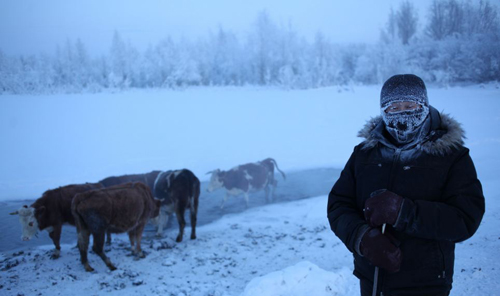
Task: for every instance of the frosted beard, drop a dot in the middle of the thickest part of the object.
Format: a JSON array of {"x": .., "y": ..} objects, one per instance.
[{"x": 403, "y": 126}]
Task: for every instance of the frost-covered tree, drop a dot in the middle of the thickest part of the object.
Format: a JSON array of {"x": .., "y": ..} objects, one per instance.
[
  {"x": 262, "y": 46},
  {"x": 459, "y": 43},
  {"x": 292, "y": 59},
  {"x": 461, "y": 18},
  {"x": 122, "y": 56},
  {"x": 184, "y": 68},
  {"x": 390, "y": 33},
  {"x": 222, "y": 59},
  {"x": 406, "y": 20},
  {"x": 324, "y": 64},
  {"x": 7, "y": 82},
  {"x": 446, "y": 18},
  {"x": 481, "y": 19},
  {"x": 81, "y": 65}
]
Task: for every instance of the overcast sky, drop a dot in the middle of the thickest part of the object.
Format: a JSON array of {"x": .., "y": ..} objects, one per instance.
[{"x": 33, "y": 26}]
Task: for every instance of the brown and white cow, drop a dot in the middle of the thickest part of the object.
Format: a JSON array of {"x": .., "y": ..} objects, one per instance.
[
  {"x": 117, "y": 209},
  {"x": 148, "y": 179},
  {"x": 178, "y": 190},
  {"x": 50, "y": 212},
  {"x": 246, "y": 178}
]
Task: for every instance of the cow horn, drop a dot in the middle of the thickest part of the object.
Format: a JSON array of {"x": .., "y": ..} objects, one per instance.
[
  {"x": 210, "y": 172},
  {"x": 14, "y": 213}
]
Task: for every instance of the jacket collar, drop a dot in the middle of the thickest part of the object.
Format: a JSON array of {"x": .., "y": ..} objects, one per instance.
[{"x": 445, "y": 134}]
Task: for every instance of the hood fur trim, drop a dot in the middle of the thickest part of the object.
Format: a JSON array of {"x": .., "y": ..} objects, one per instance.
[{"x": 445, "y": 136}]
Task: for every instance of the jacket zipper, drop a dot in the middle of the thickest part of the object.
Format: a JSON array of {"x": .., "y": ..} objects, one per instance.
[{"x": 395, "y": 158}]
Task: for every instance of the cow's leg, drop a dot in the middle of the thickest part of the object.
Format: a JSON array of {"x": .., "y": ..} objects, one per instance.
[
  {"x": 273, "y": 188},
  {"x": 224, "y": 200},
  {"x": 168, "y": 222},
  {"x": 83, "y": 244},
  {"x": 98, "y": 248},
  {"x": 131, "y": 237},
  {"x": 138, "y": 237},
  {"x": 246, "y": 199},
  {"x": 180, "y": 208},
  {"x": 266, "y": 190},
  {"x": 55, "y": 235},
  {"x": 108, "y": 238},
  {"x": 161, "y": 222},
  {"x": 193, "y": 211}
]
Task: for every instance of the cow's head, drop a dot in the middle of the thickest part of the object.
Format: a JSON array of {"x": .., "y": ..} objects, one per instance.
[
  {"x": 215, "y": 180},
  {"x": 28, "y": 222}
]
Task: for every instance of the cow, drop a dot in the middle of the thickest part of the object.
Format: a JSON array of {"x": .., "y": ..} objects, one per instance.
[
  {"x": 178, "y": 190},
  {"x": 148, "y": 179},
  {"x": 50, "y": 212},
  {"x": 246, "y": 178},
  {"x": 117, "y": 209}
]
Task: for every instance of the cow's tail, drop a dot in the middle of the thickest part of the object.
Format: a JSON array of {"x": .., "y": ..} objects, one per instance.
[
  {"x": 195, "y": 194},
  {"x": 276, "y": 165},
  {"x": 79, "y": 221}
]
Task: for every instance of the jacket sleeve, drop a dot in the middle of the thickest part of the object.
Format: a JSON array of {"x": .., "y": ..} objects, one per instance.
[
  {"x": 346, "y": 219},
  {"x": 459, "y": 214}
]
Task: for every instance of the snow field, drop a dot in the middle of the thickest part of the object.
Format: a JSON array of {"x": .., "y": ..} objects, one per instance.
[{"x": 279, "y": 249}]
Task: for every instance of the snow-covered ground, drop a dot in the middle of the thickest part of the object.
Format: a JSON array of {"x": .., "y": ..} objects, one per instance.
[
  {"x": 278, "y": 249},
  {"x": 224, "y": 258},
  {"x": 281, "y": 249}
]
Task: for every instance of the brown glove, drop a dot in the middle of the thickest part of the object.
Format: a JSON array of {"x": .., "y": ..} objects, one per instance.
[
  {"x": 380, "y": 251},
  {"x": 382, "y": 207}
]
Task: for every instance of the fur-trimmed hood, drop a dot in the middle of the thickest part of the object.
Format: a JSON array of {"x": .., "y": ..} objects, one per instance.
[{"x": 445, "y": 134}]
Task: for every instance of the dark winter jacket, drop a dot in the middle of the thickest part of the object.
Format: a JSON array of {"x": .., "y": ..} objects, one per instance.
[{"x": 443, "y": 203}]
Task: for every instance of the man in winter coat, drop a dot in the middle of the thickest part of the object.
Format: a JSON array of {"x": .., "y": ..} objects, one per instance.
[{"x": 407, "y": 194}]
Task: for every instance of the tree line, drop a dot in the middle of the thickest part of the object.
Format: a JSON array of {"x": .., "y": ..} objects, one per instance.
[{"x": 457, "y": 42}]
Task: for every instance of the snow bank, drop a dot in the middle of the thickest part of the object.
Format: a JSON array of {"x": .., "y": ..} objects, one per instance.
[{"x": 304, "y": 278}]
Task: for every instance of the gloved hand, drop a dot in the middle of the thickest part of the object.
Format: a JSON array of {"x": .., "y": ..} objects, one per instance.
[
  {"x": 380, "y": 251},
  {"x": 382, "y": 207}
]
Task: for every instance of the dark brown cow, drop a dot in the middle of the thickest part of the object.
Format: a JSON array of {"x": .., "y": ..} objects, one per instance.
[
  {"x": 50, "y": 212},
  {"x": 246, "y": 178},
  {"x": 178, "y": 190},
  {"x": 148, "y": 179},
  {"x": 121, "y": 208}
]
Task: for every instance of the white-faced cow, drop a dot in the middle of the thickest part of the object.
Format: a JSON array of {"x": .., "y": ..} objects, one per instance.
[
  {"x": 117, "y": 209},
  {"x": 246, "y": 178},
  {"x": 50, "y": 212},
  {"x": 178, "y": 190}
]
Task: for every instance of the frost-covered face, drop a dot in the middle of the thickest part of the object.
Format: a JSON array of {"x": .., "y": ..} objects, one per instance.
[
  {"x": 403, "y": 119},
  {"x": 215, "y": 181},
  {"x": 28, "y": 222},
  {"x": 402, "y": 106}
]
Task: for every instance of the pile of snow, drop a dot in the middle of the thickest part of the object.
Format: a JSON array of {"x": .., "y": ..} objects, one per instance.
[{"x": 304, "y": 278}]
